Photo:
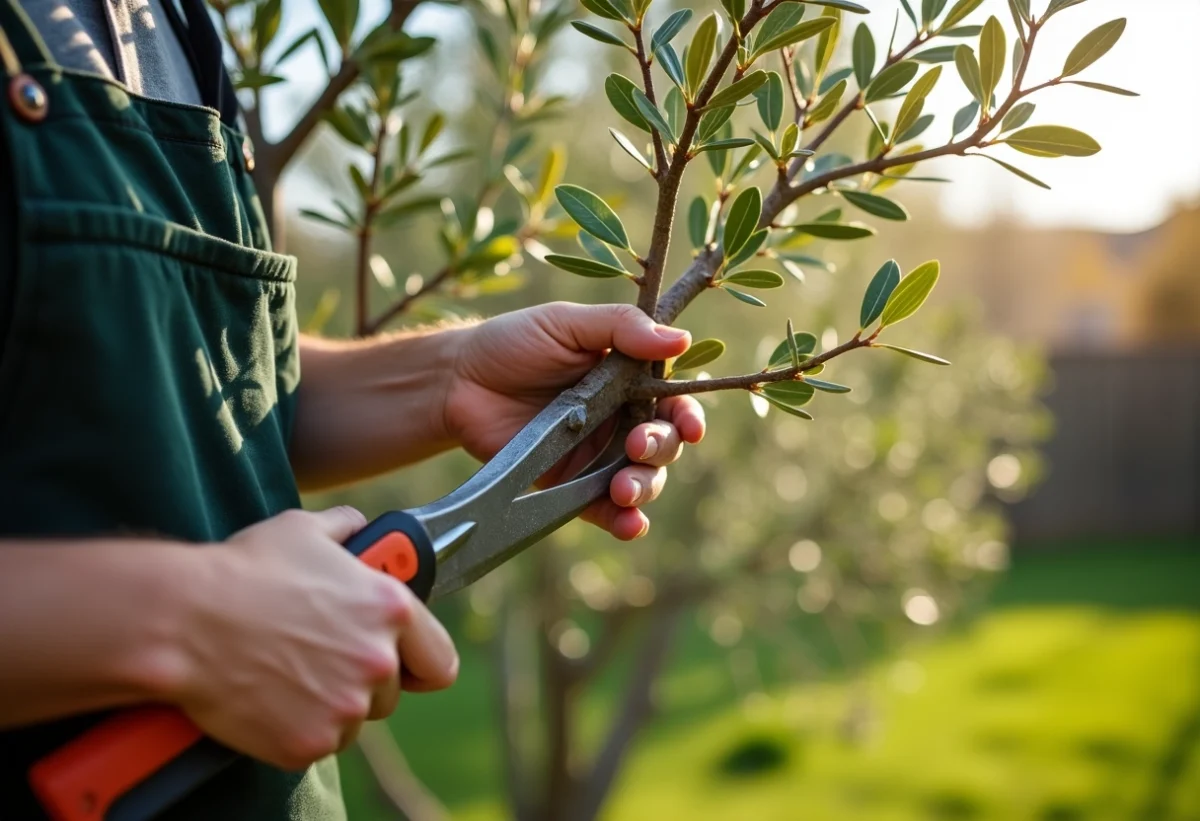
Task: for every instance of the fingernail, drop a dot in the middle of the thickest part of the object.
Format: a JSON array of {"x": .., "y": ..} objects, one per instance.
[
  {"x": 669, "y": 333},
  {"x": 651, "y": 448},
  {"x": 637, "y": 491},
  {"x": 645, "y": 529}
]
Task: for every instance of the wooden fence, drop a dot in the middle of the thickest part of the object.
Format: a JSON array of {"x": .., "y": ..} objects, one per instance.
[{"x": 1125, "y": 457}]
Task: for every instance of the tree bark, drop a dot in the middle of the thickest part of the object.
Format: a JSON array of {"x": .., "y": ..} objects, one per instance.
[{"x": 635, "y": 711}]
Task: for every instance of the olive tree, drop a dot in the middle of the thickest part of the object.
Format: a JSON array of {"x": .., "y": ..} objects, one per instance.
[{"x": 757, "y": 89}]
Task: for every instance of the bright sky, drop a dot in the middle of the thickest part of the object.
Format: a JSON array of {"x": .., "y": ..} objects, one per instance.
[{"x": 1150, "y": 159}]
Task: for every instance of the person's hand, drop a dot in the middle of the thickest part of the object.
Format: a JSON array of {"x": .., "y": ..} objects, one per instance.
[
  {"x": 292, "y": 642},
  {"x": 512, "y": 366}
]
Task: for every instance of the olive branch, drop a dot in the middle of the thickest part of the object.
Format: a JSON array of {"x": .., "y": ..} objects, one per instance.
[{"x": 712, "y": 79}]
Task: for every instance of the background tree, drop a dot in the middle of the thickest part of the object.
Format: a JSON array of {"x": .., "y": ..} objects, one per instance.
[{"x": 765, "y": 58}]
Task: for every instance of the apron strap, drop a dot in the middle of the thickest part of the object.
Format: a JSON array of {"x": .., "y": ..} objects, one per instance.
[
  {"x": 205, "y": 52},
  {"x": 20, "y": 43}
]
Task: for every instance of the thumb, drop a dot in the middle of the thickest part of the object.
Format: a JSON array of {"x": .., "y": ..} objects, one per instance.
[
  {"x": 624, "y": 327},
  {"x": 339, "y": 523}
]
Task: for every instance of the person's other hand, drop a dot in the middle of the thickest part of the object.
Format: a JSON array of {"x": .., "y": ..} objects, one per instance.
[
  {"x": 291, "y": 643},
  {"x": 512, "y": 366}
]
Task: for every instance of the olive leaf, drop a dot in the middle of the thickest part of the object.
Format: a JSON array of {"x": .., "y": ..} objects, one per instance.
[
  {"x": 630, "y": 149},
  {"x": 665, "y": 33},
  {"x": 968, "y": 70},
  {"x": 835, "y": 230},
  {"x": 700, "y": 52},
  {"x": 958, "y": 12},
  {"x": 914, "y": 101},
  {"x": 993, "y": 49},
  {"x": 910, "y": 294},
  {"x": 924, "y": 357},
  {"x": 788, "y": 409},
  {"x": 878, "y": 292},
  {"x": 796, "y": 34},
  {"x": 1124, "y": 92},
  {"x": 758, "y": 278},
  {"x": 752, "y": 247},
  {"x": 782, "y": 17},
  {"x": 863, "y": 55},
  {"x": 1017, "y": 116},
  {"x": 1057, "y": 6},
  {"x": 1052, "y": 141},
  {"x": 671, "y": 66},
  {"x": 597, "y": 250},
  {"x": 824, "y": 109},
  {"x": 619, "y": 90},
  {"x": 597, "y": 33},
  {"x": 749, "y": 300},
  {"x": 770, "y": 100},
  {"x": 652, "y": 115},
  {"x": 891, "y": 79},
  {"x": 585, "y": 267},
  {"x": 804, "y": 343},
  {"x": 937, "y": 54},
  {"x": 1093, "y": 46},
  {"x": 698, "y": 222},
  {"x": 742, "y": 220},
  {"x": 592, "y": 214},
  {"x": 826, "y": 387},
  {"x": 965, "y": 117},
  {"x": 876, "y": 205},
  {"x": 792, "y": 393},
  {"x": 828, "y": 41},
  {"x": 698, "y": 355},
  {"x": 1013, "y": 170},
  {"x": 734, "y": 92}
]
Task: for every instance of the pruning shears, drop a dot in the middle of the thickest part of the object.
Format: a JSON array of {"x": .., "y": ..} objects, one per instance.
[{"x": 137, "y": 762}]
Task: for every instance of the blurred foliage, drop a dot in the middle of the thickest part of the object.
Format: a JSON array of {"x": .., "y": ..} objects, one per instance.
[{"x": 1076, "y": 695}]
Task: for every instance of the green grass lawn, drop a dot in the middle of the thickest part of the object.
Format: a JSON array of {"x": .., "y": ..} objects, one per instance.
[{"x": 1076, "y": 697}]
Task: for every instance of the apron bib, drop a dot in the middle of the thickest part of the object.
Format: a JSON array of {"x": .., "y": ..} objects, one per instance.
[{"x": 148, "y": 352}]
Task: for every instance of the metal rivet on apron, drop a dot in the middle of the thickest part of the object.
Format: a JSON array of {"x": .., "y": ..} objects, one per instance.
[
  {"x": 28, "y": 98},
  {"x": 248, "y": 154}
]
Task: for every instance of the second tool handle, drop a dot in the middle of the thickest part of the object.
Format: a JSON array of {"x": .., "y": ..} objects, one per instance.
[
  {"x": 136, "y": 763},
  {"x": 397, "y": 544}
]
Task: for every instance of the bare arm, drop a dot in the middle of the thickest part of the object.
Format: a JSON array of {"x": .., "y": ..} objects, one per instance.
[
  {"x": 276, "y": 642},
  {"x": 370, "y": 406},
  {"x": 88, "y": 625}
]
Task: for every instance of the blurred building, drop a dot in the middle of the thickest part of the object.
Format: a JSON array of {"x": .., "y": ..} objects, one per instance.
[
  {"x": 1075, "y": 290},
  {"x": 1120, "y": 317}
]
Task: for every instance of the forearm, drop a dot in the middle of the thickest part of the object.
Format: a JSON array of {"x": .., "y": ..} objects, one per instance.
[
  {"x": 369, "y": 406},
  {"x": 86, "y": 625}
]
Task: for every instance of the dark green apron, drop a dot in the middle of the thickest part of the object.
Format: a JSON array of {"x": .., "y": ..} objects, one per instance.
[{"x": 148, "y": 353}]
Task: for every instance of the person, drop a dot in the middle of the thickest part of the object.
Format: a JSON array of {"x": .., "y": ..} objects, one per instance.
[{"x": 159, "y": 414}]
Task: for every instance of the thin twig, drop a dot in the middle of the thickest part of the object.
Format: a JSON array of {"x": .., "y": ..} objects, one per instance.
[
  {"x": 644, "y": 60},
  {"x": 799, "y": 104},
  {"x": 362, "y": 306},
  {"x": 658, "y": 388},
  {"x": 698, "y": 276},
  {"x": 487, "y": 192},
  {"x": 668, "y": 186},
  {"x": 405, "y": 302},
  {"x": 389, "y": 766}
]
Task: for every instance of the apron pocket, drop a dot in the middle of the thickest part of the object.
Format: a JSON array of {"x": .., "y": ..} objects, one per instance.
[{"x": 151, "y": 382}]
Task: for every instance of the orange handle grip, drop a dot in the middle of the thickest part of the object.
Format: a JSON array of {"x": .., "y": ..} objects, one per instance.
[
  {"x": 86, "y": 778},
  {"x": 81, "y": 780}
]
